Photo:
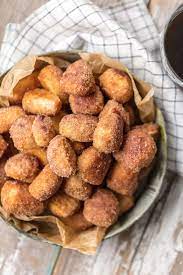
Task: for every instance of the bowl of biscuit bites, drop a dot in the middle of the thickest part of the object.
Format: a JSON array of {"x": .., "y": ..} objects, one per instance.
[{"x": 82, "y": 148}]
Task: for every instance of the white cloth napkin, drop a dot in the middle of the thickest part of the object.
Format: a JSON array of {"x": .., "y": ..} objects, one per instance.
[{"x": 123, "y": 30}]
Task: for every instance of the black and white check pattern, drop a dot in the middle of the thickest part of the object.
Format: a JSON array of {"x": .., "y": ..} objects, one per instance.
[{"x": 123, "y": 31}]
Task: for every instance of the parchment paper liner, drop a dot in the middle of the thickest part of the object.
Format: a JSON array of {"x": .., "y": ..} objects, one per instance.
[{"x": 49, "y": 228}]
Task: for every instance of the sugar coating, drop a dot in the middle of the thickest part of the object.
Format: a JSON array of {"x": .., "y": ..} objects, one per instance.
[
  {"x": 108, "y": 135},
  {"x": 22, "y": 166},
  {"x": 78, "y": 127},
  {"x": 93, "y": 165},
  {"x": 17, "y": 200},
  {"x": 122, "y": 180},
  {"x": 77, "y": 188},
  {"x": 21, "y": 133},
  {"x": 43, "y": 130},
  {"x": 138, "y": 150},
  {"x": 89, "y": 105},
  {"x": 45, "y": 185},
  {"x": 61, "y": 157},
  {"x": 102, "y": 209},
  {"x": 78, "y": 79}
]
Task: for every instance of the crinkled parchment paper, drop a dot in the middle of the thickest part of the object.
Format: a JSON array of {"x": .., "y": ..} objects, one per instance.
[{"x": 49, "y": 227}]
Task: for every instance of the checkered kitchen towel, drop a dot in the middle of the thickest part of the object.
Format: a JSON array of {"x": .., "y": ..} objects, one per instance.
[{"x": 123, "y": 30}]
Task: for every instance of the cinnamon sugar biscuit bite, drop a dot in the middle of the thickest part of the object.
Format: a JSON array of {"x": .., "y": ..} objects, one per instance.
[
  {"x": 49, "y": 78},
  {"x": 8, "y": 115},
  {"x": 45, "y": 185},
  {"x": 23, "y": 167},
  {"x": 77, "y": 188},
  {"x": 138, "y": 151},
  {"x": 21, "y": 133},
  {"x": 122, "y": 180},
  {"x": 102, "y": 209},
  {"x": 78, "y": 127},
  {"x": 78, "y": 79},
  {"x": 62, "y": 205},
  {"x": 113, "y": 106},
  {"x": 43, "y": 130},
  {"x": 17, "y": 200},
  {"x": 93, "y": 165},
  {"x": 89, "y": 105},
  {"x": 108, "y": 135},
  {"x": 117, "y": 85},
  {"x": 61, "y": 157},
  {"x": 41, "y": 102}
]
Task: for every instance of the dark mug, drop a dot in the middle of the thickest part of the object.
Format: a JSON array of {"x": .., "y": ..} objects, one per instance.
[{"x": 172, "y": 46}]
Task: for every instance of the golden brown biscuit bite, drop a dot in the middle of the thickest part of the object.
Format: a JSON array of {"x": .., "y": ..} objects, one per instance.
[
  {"x": 43, "y": 130},
  {"x": 23, "y": 167},
  {"x": 21, "y": 133},
  {"x": 8, "y": 115},
  {"x": 41, "y": 102},
  {"x": 50, "y": 77},
  {"x": 77, "y": 188},
  {"x": 61, "y": 157},
  {"x": 62, "y": 205},
  {"x": 102, "y": 209},
  {"x": 93, "y": 165},
  {"x": 27, "y": 83},
  {"x": 17, "y": 200},
  {"x": 89, "y": 105},
  {"x": 138, "y": 150},
  {"x": 78, "y": 79},
  {"x": 77, "y": 222},
  {"x": 117, "y": 85},
  {"x": 108, "y": 135},
  {"x": 122, "y": 180},
  {"x": 113, "y": 106},
  {"x": 45, "y": 184},
  {"x": 78, "y": 127}
]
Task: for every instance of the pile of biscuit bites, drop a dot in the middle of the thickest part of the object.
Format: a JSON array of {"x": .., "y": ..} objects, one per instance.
[{"x": 70, "y": 146}]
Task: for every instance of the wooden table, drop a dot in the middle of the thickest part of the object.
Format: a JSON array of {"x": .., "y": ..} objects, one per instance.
[{"x": 154, "y": 245}]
